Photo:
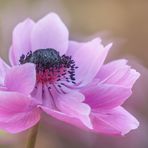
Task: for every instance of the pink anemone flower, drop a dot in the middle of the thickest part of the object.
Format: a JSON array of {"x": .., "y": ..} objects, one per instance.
[{"x": 63, "y": 78}]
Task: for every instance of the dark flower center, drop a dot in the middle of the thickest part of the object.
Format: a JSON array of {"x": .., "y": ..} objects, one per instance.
[{"x": 50, "y": 66}]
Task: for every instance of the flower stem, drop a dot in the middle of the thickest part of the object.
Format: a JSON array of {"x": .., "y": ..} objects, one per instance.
[{"x": 32, "y": 137}]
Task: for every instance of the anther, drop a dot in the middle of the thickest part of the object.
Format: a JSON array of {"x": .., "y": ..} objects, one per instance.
[{"x": 50, "y": 66}]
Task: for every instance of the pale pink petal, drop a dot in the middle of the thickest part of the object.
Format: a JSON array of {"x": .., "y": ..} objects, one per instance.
[
  {"x": 17, "y": 112},
  {"x": 2, "y": 88},
  {"x": 3, "y": 69},
  {"x": 37, "y": 93},
  {"x": 115, "y": 121},
  {"x": 118, "y": 73},
  {"x": 89, "y": 58},
  {"x": 71, "y": 105},
  {"x": 105, "y": 96},
  {"x": 12, "y": 58},
  {"x": 50, "y": 32},
  {"x": 129, "y": 79},
  {"x": 21, "y": 78},
  {"x": 13, "y": 103},
  {"x": 21, "y": 41},
  {"x": 21, "y": 122},
  {"x": 74, "y": 46},
  {"x": 109, "y": 68},
  {"x": 65, "y": 118}
]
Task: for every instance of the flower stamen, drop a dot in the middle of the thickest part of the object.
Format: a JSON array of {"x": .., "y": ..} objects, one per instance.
[{"x": 50, "y": 66}]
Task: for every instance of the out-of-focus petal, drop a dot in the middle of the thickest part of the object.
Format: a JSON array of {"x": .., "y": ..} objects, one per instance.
[
  {"x": 3, "y": 69},
  {"x": 50, "y": 32},
  {"x": 117, "y": 72},
  {"x": 21, "y": 78},
  {"x": 89, "y": 59},
  {"x": 21, "y": 41},
  {"x": 105, "y": 96},
  {"x": 115, "y": 121}
]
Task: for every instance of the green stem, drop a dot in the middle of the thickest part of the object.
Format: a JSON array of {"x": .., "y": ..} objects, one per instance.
[{"x": 32, "y": 137}]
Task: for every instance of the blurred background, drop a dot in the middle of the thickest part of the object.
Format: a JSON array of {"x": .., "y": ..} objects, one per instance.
[{"x": 125, "y": 22}]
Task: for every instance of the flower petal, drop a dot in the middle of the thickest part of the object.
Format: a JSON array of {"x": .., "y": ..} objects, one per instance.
[
  {"x": 115, "y": 121},
  {"x": 12, "y": 103},
  {"x": 21, "y": 122},
  {"x": 21, "y": 78},
  {"x": 17, "y": 112},
  {"x": 109, "y": 68},
  {"x": 71, "y": 108},
  {"x": 117, "y": 72},
  {"x": 64, "y": 117},
  {"x": 50, "y": 32},
  {"x": 74, "y": 46},
  {"x": 105, "y": 96},
  {"x": 89, "y": 58},
  {"x": 3, "y": 69},
  {"x": 21, "y": 41}
]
